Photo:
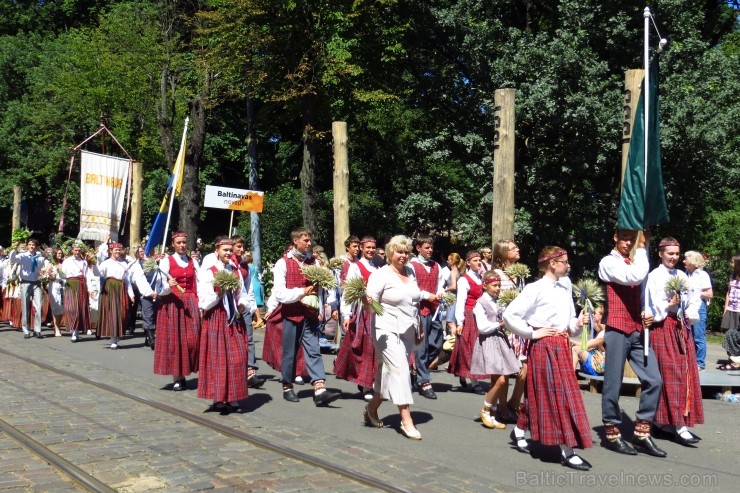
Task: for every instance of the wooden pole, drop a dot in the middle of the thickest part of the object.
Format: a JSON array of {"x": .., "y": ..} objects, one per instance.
[
  {"x": 503, "y": 165},
  {"x": 17, "y": 196},
  {"x": 632, "y": 82},
  {"x": 136, "y": 205},
  {"x": 341, "y": 186}
]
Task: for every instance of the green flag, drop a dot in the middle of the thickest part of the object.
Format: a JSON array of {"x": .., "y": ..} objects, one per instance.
[{"x": 641, "y": 207}]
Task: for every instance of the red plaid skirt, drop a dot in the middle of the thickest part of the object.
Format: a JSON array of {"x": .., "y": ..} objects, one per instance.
[
  {"x": 554, "y": 404},
  {"x": 7, "y": 303},
  {"x": 16, "y": 313},
  {"x": 77, "y": 304},
  {"x": 272, "y": 347},
  {"x": 113, "y": 305},
  {"x": 356, "y": 359},
  {"x": 680, "y": 399},
  {"x": 178, "y": 333},
  {"x": 223, "y": 358},
  {"x": 462, "y": 353}
]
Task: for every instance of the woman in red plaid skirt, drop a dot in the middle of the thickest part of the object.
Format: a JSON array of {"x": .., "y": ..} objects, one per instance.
[
  {"x": 223, "y": 339},
  {"x": 355, "y": 361},
  {"x": 672, "y": 341},
  {"x": 178, "y": 317},
  {"x": 544, "y": 313},
  {"x": 469, "y": 289}
]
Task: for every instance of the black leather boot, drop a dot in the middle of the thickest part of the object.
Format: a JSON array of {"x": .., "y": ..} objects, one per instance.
[{"x": 149, "y": 338}]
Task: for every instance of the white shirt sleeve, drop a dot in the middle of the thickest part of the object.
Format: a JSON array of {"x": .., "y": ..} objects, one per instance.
[
  {"x": 612, "y": 268},
  {"x": 207, "y": 297},
  {"x": 485, "y": 326},
  {"x": 345, "y": 309},
  {"x": 519, "y": 311},
  {"x": 279, "y": 290},
  {"x": 463, "y": 286}
]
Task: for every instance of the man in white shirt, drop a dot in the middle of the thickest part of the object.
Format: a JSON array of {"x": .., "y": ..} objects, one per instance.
[{"x": 31, "y": 262}]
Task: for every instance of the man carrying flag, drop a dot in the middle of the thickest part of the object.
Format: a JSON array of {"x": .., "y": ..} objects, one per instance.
[{"x": 642, "y": 205}]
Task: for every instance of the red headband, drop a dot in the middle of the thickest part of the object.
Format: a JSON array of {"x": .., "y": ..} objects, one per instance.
[
  {"x": 492, "y": 279},
  {"x": 115, "y": 245},
  {"x": 226, "y": 241},
  {"x": 554, "y": 255},
  {"x": 178, "y": 234},
  {"x": 471, "y": 255},
  {"x": 668, "y": 243}
]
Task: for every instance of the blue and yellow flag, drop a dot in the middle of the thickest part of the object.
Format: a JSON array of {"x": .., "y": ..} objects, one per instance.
[{"x": 156, "y": 234}]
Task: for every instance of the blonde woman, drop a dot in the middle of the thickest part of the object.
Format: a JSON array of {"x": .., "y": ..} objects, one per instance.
[
  {"x": 701, "y": 285},
  {"x": 394, "y": 286}
]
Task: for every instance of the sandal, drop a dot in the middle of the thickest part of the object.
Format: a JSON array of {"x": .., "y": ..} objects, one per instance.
[{"x": 728, "y": 367}]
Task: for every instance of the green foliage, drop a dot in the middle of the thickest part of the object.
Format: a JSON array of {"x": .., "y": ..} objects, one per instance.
[{"x": 414, "y": 81}]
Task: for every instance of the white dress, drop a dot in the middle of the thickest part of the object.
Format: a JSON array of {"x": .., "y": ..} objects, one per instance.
[{"x": 395, "y": 332}]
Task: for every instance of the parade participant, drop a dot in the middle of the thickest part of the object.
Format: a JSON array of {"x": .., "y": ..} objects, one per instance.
[
  {"x": 31, "y": 262},
  {"x": 701, "y": 283},
  {"x": 624, "y": 339},
  {"x": 379, "y": 259},
  {"x": 544, "y": 314},
  {"x": 396, "y": 331},
  {"x": 493, "y": 354},
  {"x": 149, "y": 286},
  {"x": 352, "y": 251},
  {"x": 223, "y": 340},
  {"x": 431, "y": 282},
  {"x": 485, "y": 259},
  {"x": 456, "y": 268},
  {"x": 3, "y": 284},
  {"x": 238, "y": 262},
  {"x": 355, "y": 361},
  {"x": 55, "y": 290},
  {"x": 259, "y": 289},
  {"x": 12, "y": 293},
  {"x": 672, "y": 341},
  {"x": 178, "y": 318},
  {"x": 300, "y": 322},
  {"x": 76, "y": 293},
  {"x": 505, "y": 254},
  {"x": 469, "y": 289},
  {"x": 731, "y": 319},
  {"x": 116, "y": 292}
]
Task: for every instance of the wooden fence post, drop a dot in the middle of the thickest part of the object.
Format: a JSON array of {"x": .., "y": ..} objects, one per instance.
[
  {"x": 341, "y": 186},
  {"x": 502, "y": 225},
  {"x": 136, "y": 205}
]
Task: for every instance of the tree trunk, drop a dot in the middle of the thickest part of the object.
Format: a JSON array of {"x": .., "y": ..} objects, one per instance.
[
  {"x": 308, "y": 171},
  {"x": 253, "y": 183},
  {"x": 189, "y": 201}
]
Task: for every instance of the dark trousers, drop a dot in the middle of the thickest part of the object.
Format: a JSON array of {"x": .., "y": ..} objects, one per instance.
[
  {"x": 307, "y": 334},
  {"x": 620, "y": 347},
  {"x": 429, "y": 347},
  {"x": 148, "y": 312}
]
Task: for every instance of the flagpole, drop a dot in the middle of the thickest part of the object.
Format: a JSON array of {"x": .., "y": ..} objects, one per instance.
[
  {"x": 174, "y": 182},
  {"x": 646, "y": 135}
]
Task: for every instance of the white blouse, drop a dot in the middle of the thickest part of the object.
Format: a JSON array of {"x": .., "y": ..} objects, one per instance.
[
  {"x": 658, "y": 299},
  {"x": 463, "y": 286},
  {"x": 542, "y": 304},
  {"x": 208, "y": 298},
  {"x": 400, "y": 300},
  {"x": 486, "y": 325},
  {"x": 352, "y": 273}
]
